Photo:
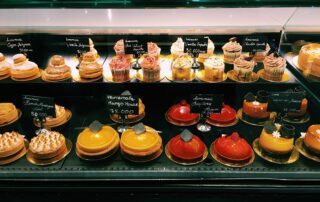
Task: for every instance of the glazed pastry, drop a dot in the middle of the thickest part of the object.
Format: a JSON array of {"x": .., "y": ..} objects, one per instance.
[
  {"x": 133, "y": 117},
  {"x": 186, "y": 148},
  {"x": 142, "y": 145},
  {"x": 8, "y": 113},
  {"x": 274, "y": 67},
  {"x": 243, "y": 68},
  {"x": 255, "y": 107},
  {"x": 260, "y": 55},
  {"x": 23, "y": 68},
  {"x": 232, "y": 148},
  {"x": 97, "y": 143},
  {"x": 177, "y": 48},
  {"x": 309, "y": 59},
  {"x": 231, "y": 50},
  {"x": 180, "y": 114},
  {"x": 89, "y": 67},
  {"x": 210, "y": 51},
  {"x": 153, "y": 50},
  {"x": 10, "y": 143},
  {"x": 304, "y": 105},
  {"x": 181, "y": 68},
  {"x": 61, "y": 117},
  {"x": 47, "y": 145},
  {"x": 57, "y": 69},
  {"x": 228, "y": 115},
  {"x": 213, "y": 68},
  {"x": 5, "y": 67},
  {"x": 120, "y": 69},
  {"x": 150, "y": 69},
  {"x": 277, "y": 139},
  {"x": 312, "y": 139}
]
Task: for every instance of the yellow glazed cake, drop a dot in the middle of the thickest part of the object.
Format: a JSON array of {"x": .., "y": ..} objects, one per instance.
[
  {"x": 8, "y": 113},
  {"x": 98, "y": 143}
]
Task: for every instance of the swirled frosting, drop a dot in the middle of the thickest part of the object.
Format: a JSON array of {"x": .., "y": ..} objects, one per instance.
[
  {"x": 177, "y": 46},
  {"x": 232, "y": 46},
  {"x": 150, "y": 62},
  {"x": 274, "y": 61},
  {"x": 243, "y": 62},
  {"x": 214, "y": 62},
  {"x": 119, "y": 46},
  {"x": 182, "y": 62}
]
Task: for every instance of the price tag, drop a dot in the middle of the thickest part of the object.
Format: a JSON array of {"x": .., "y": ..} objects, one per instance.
[
  {"x": 285, "y": 101},
  {"x": 195, "y": 45},
  {"x": 41, "y": 107},
  {"x": 123, "y": 104},
  {"x": 134, "y": 46},
  {"x": 254, "y": 43},
  {"x": 20, "y": 44},
  {"x": 78, "y": 44},
  {"x": 206, "y": 103}
]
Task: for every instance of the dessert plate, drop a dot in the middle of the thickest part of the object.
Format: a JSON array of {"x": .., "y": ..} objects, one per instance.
[
  {"x": 200, "y": 75},
  {"x": 68, "y": 117},
  {"x": 181, "y": 123},
  {"x": 30, "y": 78},
  {"x": 56, "y": 159},
  {"x": 107, "y": 77},
  {"x": 305, "y": 118},
  {"x": 301, "y": 148},
  {"x": 142, "y": 159},
  {"x": 231, "y": 75},
  {"x": 127, "y": 121},
  {"x": 234, "y": 164},
  {"x": 14, "y": 120},
  {"x": 97, "y": 157},
  {"x": 185, "y": 163},
  {"x": 285, "y": 77},
  {"x": 192, "y": 77},
  {"x": 291, "y": 159},
  {"x": 15, "y": 157},
  {"x": 239, "y": 115}
]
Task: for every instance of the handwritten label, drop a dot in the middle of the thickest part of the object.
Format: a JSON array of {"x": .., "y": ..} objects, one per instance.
[
  {"x": 195, "y": 45},
  {"x": 206, "y": 103},
  {"x": 134, "y": 46},
  {"x": 254, "y": 43},
  {"x": 123, "y": 104},
  {"x": 36, "y": 106},
  {"x": 78, "y": 44},
  {"x": 285, "y": 102},
  {"x": 19, "y": 44}
]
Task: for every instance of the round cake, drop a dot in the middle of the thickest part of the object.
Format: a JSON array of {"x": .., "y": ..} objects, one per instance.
[
  {"x": 255, "y": 107},
  {"x": 232, "y": 148},
  {"x": 228, "y": 115},
  {"x": 309, "y": 58},
  {"x": 47, "y": 145},
  {"x": 102, "y": 142},
  {"x": 8, "y": 113},
  {"x": 180, "y": 114},
  {"x": 10, "y": 143},
  {"x": 312, "y": 138}
]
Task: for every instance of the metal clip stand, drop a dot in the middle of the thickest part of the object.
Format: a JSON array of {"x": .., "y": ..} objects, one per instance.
[
  {"x": 135, "y": 65},
  {"x": 123, "y": 127},
  {"x": 195, "y": 64},
  {"x": 41, "y": 120},
  {"x": 203, "y": 126}
]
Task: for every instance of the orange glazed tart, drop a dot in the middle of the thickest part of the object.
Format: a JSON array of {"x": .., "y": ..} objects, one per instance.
[
  {"x": 312, "y": 139},
  {"x": 227, "y": 116},
  {"x": 186, "y": 147},
  {"x": 141, "y": 143},
  {"x": 232, "y": 148},
  {"x": 179, "y": 114},
  {"x": 255, "y": 107}
]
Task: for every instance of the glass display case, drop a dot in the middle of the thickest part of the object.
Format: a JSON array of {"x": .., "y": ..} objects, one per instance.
[{"x": 232, "y": 157}]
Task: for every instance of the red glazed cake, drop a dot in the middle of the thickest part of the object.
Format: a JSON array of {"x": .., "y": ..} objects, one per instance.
[
  {"x": 180, "y": 114},
  {"x": 186, "y": 150},
  {"x": 228, "y": 115},
  {"x": 255, "y": 107},
  {"x": 232, "y": 148}
]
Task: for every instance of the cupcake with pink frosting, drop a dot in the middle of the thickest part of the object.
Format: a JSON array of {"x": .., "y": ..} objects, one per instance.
[
  {"x": 150, "y": 69},
  {"x": 274, "y": 67},
  {"x": 153, "y": 50},
  {"x": 231, "y": 50},
  {"x": 120, "y": 69}
]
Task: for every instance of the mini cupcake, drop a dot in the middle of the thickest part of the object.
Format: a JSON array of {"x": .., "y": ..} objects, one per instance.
[
  {"x": 260, "y": 55},
  {"x": 274, "y": 67},
  {"x": 153, "y": 50},
  {"x": 213, "y": 68},
  {"x": 120, "y": 69},
  {"x": 177, "y": 48},
  {"x": 181, "y": 68},
  {"x": 150, "y": 69},
  {"x": 231, "y": 50},
  {"x": 210, "y": 50},
  {"x": 243, "y": 68}
]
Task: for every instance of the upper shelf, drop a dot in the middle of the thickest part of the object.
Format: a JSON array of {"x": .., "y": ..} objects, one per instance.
[{"x": 144, "y": 21}]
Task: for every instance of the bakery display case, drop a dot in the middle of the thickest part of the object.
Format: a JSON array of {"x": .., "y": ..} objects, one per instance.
[{"x": 230, "y": 114}]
